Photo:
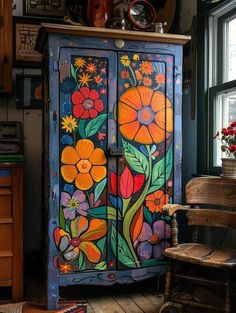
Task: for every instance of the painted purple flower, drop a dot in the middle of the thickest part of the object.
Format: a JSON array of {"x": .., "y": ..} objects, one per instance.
[
  {"x": 152, "y": 240},
  {"x": 75, "y": 203}
]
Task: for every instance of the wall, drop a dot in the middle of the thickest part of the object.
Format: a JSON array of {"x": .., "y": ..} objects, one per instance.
[
  {"x": 32, "y": 127},
  {"x": 32, "y": 131},
  {"x": 188, "y": 9}
]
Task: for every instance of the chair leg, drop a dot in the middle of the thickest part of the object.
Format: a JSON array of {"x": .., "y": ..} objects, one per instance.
[
  {"x": 228, "y": 293},
  {"x": 168, "y": 282}
]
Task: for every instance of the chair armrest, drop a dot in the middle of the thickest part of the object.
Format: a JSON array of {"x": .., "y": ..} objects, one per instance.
[{"x": 170, "y": 209}]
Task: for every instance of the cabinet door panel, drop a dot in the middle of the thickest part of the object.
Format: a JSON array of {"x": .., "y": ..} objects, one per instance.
[
  {"x": 87, "y": 97},
  {"x": 145, "y": 132}
]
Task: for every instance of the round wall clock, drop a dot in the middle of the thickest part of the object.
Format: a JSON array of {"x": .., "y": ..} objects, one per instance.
[{"x": 141, "y": 14}]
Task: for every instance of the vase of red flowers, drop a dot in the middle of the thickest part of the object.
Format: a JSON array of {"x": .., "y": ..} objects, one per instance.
[{"x": 228, "y": 146}]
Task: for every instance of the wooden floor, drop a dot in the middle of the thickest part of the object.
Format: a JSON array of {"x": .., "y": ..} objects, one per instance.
[{"x": 136, "y": 298}]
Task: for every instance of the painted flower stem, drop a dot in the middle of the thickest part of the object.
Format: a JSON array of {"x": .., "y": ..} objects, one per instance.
[
  {"x": 132, "y": 72},
  {"x": 128, "y": 218}
]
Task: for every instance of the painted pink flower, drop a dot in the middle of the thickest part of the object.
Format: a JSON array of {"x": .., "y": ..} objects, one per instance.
[{"x": 86, "y": 103}]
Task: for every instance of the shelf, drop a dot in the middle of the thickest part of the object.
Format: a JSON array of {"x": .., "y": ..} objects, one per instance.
[{"x": 5, "y": 283}]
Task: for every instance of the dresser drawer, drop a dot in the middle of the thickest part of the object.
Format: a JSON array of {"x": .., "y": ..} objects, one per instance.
[
  {"x": 5, "y": 237},
  {"x": 5, "y": 268},
  {"x": 5, "y": 203}
]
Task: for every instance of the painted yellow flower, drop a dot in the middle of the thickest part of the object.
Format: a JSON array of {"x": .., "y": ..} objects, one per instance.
[
  {"x": 125, "y": 60},
  {"x": 126, "y": 85},
  {"x": 83, "y": 164},
  {"x": 84, "y": 79},
  {"x": 135, "y": 57},
  {"x": 69, "y": 123},
  {"x": 79, "y": 62}
]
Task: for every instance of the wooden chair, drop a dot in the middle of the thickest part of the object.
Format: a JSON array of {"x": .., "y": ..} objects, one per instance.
[{"x": 219, "y": 196}]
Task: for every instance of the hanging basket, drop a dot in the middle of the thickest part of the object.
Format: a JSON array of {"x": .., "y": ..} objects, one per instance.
[{"x": 228, "y": 167}]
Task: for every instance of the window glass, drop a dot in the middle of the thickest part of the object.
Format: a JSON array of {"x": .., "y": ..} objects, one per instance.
[
  {"x": 231, "y": 49},
  {"x": 224, "y": 115}
]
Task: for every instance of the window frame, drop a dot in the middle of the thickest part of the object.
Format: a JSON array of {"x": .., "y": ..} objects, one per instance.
[{"x": 214, "y": 78}]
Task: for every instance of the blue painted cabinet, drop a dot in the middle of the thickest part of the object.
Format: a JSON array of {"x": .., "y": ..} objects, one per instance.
[{"x": 112, "y": 153}]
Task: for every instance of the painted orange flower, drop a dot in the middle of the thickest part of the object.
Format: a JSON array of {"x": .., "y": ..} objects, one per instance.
[
  {"x": 145, "y": 115},
  {"x": 84, "y": 79},
  {"x": 147, "y": 81},
  {"x": 156, "y": 200},
  {"x": 91, "y": 67},
  {"x": 138, "y": 75},
  {"x": 79, "y": 62},
  {"x": 146, "y": 67},
  {"x": 124, "y": 74},
  {"x": 83, "y": 234},
  {"x": 160, "y": 78},
  {"x": 83, "y": 164}
]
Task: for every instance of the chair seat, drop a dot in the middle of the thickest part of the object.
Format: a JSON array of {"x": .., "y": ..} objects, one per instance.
[{"x": 203, "y": 254}]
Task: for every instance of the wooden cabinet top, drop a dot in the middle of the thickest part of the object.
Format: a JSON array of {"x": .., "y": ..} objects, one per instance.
[{"x": 108, "y": 33}]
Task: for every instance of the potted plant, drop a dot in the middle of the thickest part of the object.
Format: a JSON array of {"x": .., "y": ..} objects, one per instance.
[{"x": 228, "y": 146}]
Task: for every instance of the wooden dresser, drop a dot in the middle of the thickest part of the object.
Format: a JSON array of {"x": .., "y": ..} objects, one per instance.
[{"x": 11, "y": 227}]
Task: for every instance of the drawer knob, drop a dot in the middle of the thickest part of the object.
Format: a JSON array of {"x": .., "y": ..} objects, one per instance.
[{"x": 119, "y": 43}]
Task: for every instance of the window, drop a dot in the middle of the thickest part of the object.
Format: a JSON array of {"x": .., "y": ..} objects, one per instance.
[{"x": 222, "y": 75}]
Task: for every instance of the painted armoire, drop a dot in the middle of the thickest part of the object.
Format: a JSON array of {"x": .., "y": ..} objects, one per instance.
[{"x": 112, "y": 152}]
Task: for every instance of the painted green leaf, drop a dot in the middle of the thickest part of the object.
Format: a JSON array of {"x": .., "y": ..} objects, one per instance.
[
  {"x": 153, "y": 262},
  {"x": 124, "y": 255},
  {"x": 94, "y": 125},
  {"x": 104, "y": 212},
  {"x": 99, "y": 189},
  {"x": 136, "y": 159},
  {"x": 113, "y": 240},
  {"x": 161, "y": 171},
  {"x": 73, "y": 72},
  {"x": 81, "y": 128},
  {"x": 101, "y": 243},
  {"x": 148, "y": 215},
  {"x": 61, "y": 218},
  {"x": 101, "y": 266},
  {"x": 81, "y": 260}
]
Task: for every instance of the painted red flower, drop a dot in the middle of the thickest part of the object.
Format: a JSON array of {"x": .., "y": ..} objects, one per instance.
[
  {"x": 127, "y": 183},
  {"x": 86, "y": 103}
]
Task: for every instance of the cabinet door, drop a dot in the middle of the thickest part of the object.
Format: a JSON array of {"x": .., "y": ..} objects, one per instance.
[
  {"x": 87, "y": 96},
  {"x": 145, "y": 173}
]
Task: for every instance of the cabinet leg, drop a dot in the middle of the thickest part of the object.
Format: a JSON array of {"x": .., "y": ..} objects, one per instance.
[{"x": 52, "y": 296}]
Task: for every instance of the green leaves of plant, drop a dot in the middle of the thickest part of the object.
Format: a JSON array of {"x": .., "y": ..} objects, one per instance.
[
  {"x": 104, "y": 212},
  {"x": 161, "y": 171},
  {"x": 99, "y": 189},
  {"x": 93, "y": 126},
  {"x": 135, "y": 158},
  {"x": 124, "y": 255}
]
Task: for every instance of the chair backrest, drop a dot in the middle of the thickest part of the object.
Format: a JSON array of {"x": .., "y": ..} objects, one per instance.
[
  {"x": 212, "y": 200},
  {"x": 211, "y": 190}
]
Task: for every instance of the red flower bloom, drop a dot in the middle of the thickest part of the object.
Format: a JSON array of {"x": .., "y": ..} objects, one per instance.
[
  {"x": 232, "y": 148},
  {"x": 86, "y": 103},
  {"x": 128, "y": 184}
]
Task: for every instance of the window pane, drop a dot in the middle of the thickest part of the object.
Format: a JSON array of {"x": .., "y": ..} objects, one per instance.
[
  {"x": 225, "y": 114},
  {"x": 231, "y": 50}
]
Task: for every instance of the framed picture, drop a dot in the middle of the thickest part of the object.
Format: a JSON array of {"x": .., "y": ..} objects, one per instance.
[
  {"x": 25, "y": 31},
  {"x": 29, "y": 92},
  {"x": 54, "y": 8}
]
